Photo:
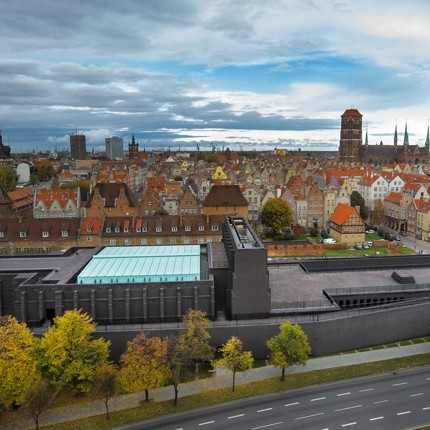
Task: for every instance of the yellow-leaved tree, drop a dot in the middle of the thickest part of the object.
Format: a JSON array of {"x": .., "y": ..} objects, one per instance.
[
  {"x": 18, "y": 365},
  {"x": 143, "y": 364},
  {"x": 234, "y": 358},
  {"x": 68, "y": 355}
]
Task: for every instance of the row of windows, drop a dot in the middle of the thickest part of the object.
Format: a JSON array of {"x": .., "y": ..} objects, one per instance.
[
  {"x": 159, "y": 241},
  {"x": 158, "y": 229},
  {"x": 23, "y": 234}
]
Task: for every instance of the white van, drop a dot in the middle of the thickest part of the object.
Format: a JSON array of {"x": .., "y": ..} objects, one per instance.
[{"x": 329, "y": 240}]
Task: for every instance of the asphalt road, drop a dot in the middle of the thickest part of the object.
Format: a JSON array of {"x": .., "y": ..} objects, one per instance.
[{"x": 395, "y": 401}]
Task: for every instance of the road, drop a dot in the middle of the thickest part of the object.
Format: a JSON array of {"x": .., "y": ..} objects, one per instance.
[{"x": 395, "y": 401}]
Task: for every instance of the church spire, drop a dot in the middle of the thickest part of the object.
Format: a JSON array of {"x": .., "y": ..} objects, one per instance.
[
  {"x": 395, "y": 135},
  {"x": 406, "y": 136},
  {"x": 427, "y": 144},
  {"x": 366, "y": 140}
]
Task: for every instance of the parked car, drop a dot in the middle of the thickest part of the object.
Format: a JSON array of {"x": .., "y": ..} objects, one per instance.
[
  {"x": 358, "y": 246},
  {"x": 329, "y": 240},
  {"x": 370, "y": 231}
]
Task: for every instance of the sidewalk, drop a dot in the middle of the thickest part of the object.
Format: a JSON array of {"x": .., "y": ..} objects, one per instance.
[{"x": 220, "y": 380}]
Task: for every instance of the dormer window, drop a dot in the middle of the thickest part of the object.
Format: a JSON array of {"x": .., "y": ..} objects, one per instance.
[
  {"x": 214, "y": 228},
  {"x": 144, "y": 229},
  {"x": 158, "y": 229},
  {"x": 125, "y": 230},
  {"x": 201, "y": 228},
  {"x": 64, "y": 233},
  {"x": 108, "y": 229},
  {"x": 22, "y": 234},
  {"x": 138, "y": 230},
  {"x": 88, "y": 229},
  {"x": 45, "y": 233},
  {"x": 187, "y": 228},
  {"x": 116, "y": 229},
  {"x": 1, "y": 233},
  {"x": 175, "y": 229}
]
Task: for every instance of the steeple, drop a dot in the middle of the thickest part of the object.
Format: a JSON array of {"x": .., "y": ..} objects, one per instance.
[
  {"x": 427, "y": 144},
  {"x": 395, "y": 135},
  {"x": 406, "y": 136},
  {"x": 366, "y": 140}
]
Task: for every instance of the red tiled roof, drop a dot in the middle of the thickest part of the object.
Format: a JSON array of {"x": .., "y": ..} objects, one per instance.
[
  {"x": 342, "y": 213},
  {"x": 394, "y": 197}
]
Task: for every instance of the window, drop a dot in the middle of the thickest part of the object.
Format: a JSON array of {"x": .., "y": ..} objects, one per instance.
[
  {"x": 158, "y": 229},
  {"x": 116, "y": 229},
  {"x": 214, "y": 228},
  {"x": 173, "y": 241},
  {"x": 89, "y": 238},
  {"x": 174, "y": 229},
  {"x": 127, "y": 242},
  {"x": 201, "y": 240},
  {"x": 112, "y": 242},
  {"x": 1, "y": 233},
  {"x": 22, "y": 234},
  {"x": 108, "y": 229},
  {"x": 64, "y": 233},
  {"x": 186, "y": 240},
  {"x": 144, "y": 229},
  {"x": 159, "y": 241},
  {"x": 201, "y": 228},
  {"x": 45, "y": 234},
  {"x": 138, "y": 230},
  {"x": 125, "y": 230},
  {"x": 143, "y": 241}
]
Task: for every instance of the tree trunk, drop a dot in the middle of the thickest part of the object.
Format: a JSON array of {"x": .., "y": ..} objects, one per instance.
[
  {"x": 234, "y": 380},
  {"x": 146, "y": 395},
  {"x": 107, "y": 409},
  {"x": 175, "y": 401},
  {"x": 283, "y": 374}
]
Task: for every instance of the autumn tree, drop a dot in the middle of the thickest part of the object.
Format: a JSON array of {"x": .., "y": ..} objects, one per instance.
[
  {"x": 105, "y": 384},
  {"x": 179, "y": 357},
  {"x": 234, "y": 358},
  {"x": 276, "y": 215},
  {"x": 197, "y": 336},
  {"x": 68, "y": 355},
  {"x": 378, "y": 213},
  {"x": 38, "y": 399},
  {"x": 289, "y": 347},
  {"x": 18, "y": 364},
  {"x": 143, "y": 364}
]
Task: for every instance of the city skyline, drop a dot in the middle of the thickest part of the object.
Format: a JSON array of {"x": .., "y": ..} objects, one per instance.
[{"x": 239, "y": 74}]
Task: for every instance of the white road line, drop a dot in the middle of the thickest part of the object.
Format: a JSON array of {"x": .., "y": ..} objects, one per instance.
[
  {"x": 426, "y": 409},
  {"x": 318, "y": 398},
  {"x": 267, "y": 425},
  {"x": 376, "y": 418},
  {"x": 400, "y": 383},
  {"x": 427, "y": 379},
  {"x": 265, "y": 410},
  {"x": 206, "y": 423},
  {"x": 403, "y": 413},
  {"x": 343, "y": 394},
  {"x": 292, "y": 404},
  {"x": 366, "y": 389},
  {"x": 415, "y": 395},
  {"x": 349, "y": 407},
  {"x": 235, "y": 416},
  {"x": 380, "y": 401},
  {"x": 349, "y": 424},
  {"x": 308, "y": 416}
]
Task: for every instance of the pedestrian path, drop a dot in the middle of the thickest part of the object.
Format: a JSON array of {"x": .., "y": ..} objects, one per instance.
[{"x": 221, "y": 379}]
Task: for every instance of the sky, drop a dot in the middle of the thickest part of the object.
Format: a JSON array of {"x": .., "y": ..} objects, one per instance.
[{"x": 243, "y": 74}]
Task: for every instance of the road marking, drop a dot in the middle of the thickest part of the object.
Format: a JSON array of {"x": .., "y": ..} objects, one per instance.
[
  {"x": 235, "y": 416},
  {"x": 427, "y": 379},
  {"x": 400, "y": 383},
  {"x": 206, "y": 423},
  {"x": 380, "y": 401},
  {"x": 343, "y": 394},
  {"x": 308, "y": 416},
  {"x": 267, "y": 425},
  {"x": 349, "y": 407},
  {"x": 265, "y": 410},
  {"x": 366, "y": 389},
  {"x": 376, "y": 418},
  {"x": 415, "y": 395},
  {"x": 403, "y": 413},
  {"x": 426, "y": 409},
  {"x": 318, "y": 398},
  {"x": 292, "y": 404},
  {"x": 349, "y": 424}
]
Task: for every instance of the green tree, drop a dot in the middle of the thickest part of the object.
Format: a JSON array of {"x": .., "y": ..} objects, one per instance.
[
  {"x": 234, "y": 358},
  {"x": 18, "y": 364},
  {"x": 356, "y": 199},
  {"x": 197, "y": 335},
  {"x": 179, "y": 357},
  {"x": 276, "y": 215},
  {"x": 44, "y": 172},
  {"x": 7, "y": 178},
  {"x": 105, "y": 384},
  {"x": 143, "y": 364},
  {"x": 289, "y": 347},
  {"x": 38, "y": 399},
  {"x": 69, "y": 357}
]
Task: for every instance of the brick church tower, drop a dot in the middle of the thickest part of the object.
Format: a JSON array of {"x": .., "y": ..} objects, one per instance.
[{"x": 351, "y": 136}]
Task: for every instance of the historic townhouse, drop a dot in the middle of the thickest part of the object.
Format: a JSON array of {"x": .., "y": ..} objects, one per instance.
[
  {"x": 57, "y": 203},
  {"x": 188, "y": 203},
  {"x": 151, "y": 204},
  {"x": 372, "y": 187},
  {"x": 225, "y": 200},
  {"x": 315, "y": 200},
  {"x": 395, "y": 207},
  {"x": 346, "y": 225}
]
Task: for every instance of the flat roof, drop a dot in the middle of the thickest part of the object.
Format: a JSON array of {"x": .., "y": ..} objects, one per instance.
[{"x": 130, "y": 264}]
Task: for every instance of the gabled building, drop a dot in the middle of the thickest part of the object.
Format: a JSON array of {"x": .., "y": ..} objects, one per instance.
[
  {"x": 346, "y": 225},
  {"x": 57, "y": 203},
  {"x": 225, "y": 200},
  {"x": 395, "y": 207}
]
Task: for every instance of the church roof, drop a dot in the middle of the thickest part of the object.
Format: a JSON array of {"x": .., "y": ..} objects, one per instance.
[{"x": 352, "y": 112}]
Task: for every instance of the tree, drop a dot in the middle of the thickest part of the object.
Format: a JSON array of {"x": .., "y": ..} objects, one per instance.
[
  {"x": 276, "y": 215},
  {"x": 289, "y": 347},
  {"x": 179, "y": 356},
  {"x": 69, "y": 356},
  {"x": 197, "y": 336},
  {"x": 234, "y": 358},
  {"x": 18, "y": 364},
  {"x": 7, "y": 178},
  {"x": 378, "y": 214},
  {"x": 143, "y": 364},
  {"x": 104, "y": 384},
  {"x": 355, "y": 200},
  {"x": 38, "y": 399}
]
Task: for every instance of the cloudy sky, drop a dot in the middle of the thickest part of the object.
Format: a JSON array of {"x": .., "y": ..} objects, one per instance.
[{"x": 240, "y": 73}]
